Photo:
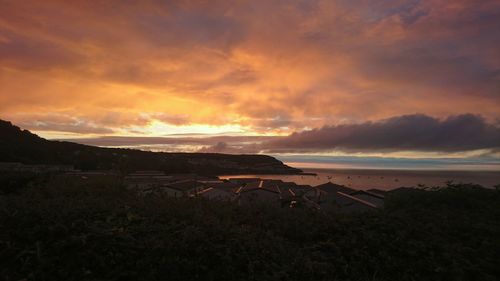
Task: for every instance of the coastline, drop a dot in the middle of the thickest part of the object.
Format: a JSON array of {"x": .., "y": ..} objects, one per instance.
[{"x": 383, "y": 179}]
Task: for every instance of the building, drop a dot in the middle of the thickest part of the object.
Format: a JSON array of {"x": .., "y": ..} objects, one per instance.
[
  {"x": 187, "y": 188},
  {"x": 225, "y": 185},
  {"x": 287, "y": 185},
  {"x": 258, "y": 192},
  {"x": 222, "y": 190},
  {"x": 326, "y": 192},
  {"x": 271, "y": 183},
  {"x": 332, "y": 187},
  {"x": 348, "y": 204},
  {"x": 288, "y": 198},
  {"x": 330, "y": 196},
  {"x": 214, "y": 193},
  {"x": 243, "y": 180},
  {"x": 296, "y": 198},
  {"x": 373, "y": 198},
  {"x": 377, "y": 191}
]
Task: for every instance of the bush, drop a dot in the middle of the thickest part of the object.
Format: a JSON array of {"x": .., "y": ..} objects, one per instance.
[{"x": 80, "y": 230}]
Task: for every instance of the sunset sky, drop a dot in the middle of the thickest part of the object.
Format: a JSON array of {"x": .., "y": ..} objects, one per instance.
[{"x": 307, "y": 81}]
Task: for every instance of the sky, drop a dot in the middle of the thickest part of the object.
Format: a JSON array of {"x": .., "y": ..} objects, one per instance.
[{"x": 298, "y": 79}]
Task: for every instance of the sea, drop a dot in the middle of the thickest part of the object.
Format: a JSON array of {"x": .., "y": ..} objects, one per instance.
[{"x": 385, "y": 179}]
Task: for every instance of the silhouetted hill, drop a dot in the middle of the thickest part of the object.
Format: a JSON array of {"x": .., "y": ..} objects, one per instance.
[{"x": 22, "y": 146}]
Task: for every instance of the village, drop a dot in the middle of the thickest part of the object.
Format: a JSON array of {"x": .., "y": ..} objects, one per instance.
[
  {"x": 251, "y": 191},
  {"x": 241, "y": 191}
]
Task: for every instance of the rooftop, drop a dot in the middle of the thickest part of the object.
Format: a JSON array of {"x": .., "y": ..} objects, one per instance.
[
  {"x": 361, "y": 201},
  {"x": 332, "y": 187},
  {"x": 259, "y": 185},
  {"x": 184, "y": 185}
]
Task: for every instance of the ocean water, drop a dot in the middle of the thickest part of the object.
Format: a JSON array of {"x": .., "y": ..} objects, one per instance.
[{"x": 386, "y": 179}]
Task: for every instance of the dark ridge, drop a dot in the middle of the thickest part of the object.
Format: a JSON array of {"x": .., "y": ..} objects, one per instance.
[{"x": 17, "y": 145}]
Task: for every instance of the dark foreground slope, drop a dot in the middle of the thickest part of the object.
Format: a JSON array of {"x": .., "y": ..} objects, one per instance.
[
  {"x": 94, "y": 230},
  {"x": 22, "y": 146}
]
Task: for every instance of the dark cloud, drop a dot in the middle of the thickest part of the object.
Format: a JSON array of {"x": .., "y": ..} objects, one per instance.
[
  {"x": 205, "y": 141},
  {"x": 198, "y": 143},
  {"x": 220, "y": 147},
  {"x": 234, "y": 148},
  {"x": 403, "y": 133},
  {"x": 479, "y": 162},
  {"x": 278, "y": 121},
  {"x": 418, "y": 132}
]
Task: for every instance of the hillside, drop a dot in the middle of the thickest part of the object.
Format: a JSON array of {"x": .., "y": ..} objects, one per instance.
[{"x": 17, "y": 145}]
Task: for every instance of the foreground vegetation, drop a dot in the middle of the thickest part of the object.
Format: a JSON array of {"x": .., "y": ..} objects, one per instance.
[{"x": 55, "y": 229}]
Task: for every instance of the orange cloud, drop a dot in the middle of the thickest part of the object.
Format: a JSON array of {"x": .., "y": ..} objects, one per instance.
[{"x": 266, "y": 66}]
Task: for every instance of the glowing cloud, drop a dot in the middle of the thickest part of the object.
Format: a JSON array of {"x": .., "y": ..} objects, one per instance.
[{"x": 251, "y": 67}]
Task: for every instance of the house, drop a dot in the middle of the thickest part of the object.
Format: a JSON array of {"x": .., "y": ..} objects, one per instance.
[
  {"x": 210, "y": 181},
  {"x": 377, "y": 191},
  {"x": 374, "y": 198},
  {"x": 302, "y": 189},
  {"x": 225, "y": 185},
  {"x": 309, "y": 203},
  {"x": 331, "y": 187},
  {"x": 271, "y": 183},
  {"x": 258, "y": 192},
  {"x": 288, "y": 198},
  {"x": 222, "y": 190},
  {"x": 214, "y": 193},
  {"x": 330, "y": 196},
  {"x": 296, "y": 198},
  {"x": 286, "y": 185},
  {"x": 292, "y": 194},
  {"x": 327, "y": 192},
  {"x": 187, "y": 188},
  {"x": 243, "y": 180},
  {"x": 348, "y": 203}
]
